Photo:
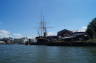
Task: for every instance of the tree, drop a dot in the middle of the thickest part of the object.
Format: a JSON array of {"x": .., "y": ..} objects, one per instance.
[{"x": 91, "y": 29}]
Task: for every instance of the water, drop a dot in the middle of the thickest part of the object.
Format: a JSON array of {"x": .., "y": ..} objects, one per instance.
[{"x": 46, "y": 54}]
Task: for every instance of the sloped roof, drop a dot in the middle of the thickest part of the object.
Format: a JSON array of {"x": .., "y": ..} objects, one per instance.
[{"x": 65, "y": 31}]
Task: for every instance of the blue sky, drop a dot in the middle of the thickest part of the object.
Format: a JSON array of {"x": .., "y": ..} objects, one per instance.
[{"x": 23, "y": 16}]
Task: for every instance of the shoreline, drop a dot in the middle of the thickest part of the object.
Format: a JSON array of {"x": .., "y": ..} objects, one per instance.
[
  {"x": 65, "y": 44},
  {"x": 58, "y": 43}
]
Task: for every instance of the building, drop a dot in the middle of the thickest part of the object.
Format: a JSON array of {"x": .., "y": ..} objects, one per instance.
[
  {"x": 64, "y": 34},
  {"x": 21, "y": 40},
  {"x": 8, "y": 40},
  {"x": 80, "y": 36},
  {"x": 68, "y": 35},
  {"x": 52, "y": 38}
]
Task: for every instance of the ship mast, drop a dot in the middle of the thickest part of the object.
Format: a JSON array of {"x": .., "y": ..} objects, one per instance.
[{"x": 43, "y": 29}]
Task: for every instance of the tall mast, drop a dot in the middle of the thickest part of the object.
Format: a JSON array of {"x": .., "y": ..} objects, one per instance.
[
  {"x": 43, "y": 31},
  {"x": 44, "y": 28}
]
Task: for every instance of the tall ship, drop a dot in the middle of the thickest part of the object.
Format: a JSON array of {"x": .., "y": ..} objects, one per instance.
[{"x": 42, "y": 33}]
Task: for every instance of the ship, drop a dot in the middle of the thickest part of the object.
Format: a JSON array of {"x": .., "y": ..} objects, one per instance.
[{"x": 42, "y": 33}]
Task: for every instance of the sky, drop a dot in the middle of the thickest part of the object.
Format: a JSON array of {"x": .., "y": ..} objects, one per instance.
[{"x": 22, "y": 17}]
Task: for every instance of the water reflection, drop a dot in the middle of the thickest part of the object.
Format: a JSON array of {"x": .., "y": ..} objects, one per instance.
[{"x": 46, "y": 54}]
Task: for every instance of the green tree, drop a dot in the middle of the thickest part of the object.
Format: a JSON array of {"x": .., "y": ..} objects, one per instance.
[{"x": 91, "y": 29}]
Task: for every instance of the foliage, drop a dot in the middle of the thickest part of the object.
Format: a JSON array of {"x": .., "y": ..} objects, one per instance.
[{"x": 91, "y": 29}]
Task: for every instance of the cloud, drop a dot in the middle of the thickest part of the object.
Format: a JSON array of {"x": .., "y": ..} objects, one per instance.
[
  {"x": 4, "y": 33},
  {"x": 51, "y": 33},
  {"x": 83, "y": 29}
]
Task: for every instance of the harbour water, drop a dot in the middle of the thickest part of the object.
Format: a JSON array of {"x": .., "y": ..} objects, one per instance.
[{"x": 46, "y": 54}]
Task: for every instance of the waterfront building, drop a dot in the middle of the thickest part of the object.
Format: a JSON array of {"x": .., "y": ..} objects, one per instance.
[
  {"x": 68, "y": 35},
  {"x": 20, "y": 40},
  {"x": 64, "y": 34}
]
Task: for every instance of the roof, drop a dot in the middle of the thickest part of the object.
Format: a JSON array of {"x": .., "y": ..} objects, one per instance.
[
  {"x": 65, "y": 31},
  {"x": 79, "y": 33}
]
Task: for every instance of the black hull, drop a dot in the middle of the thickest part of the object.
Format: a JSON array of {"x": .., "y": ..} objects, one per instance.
[{"x": 65, "y": 43}]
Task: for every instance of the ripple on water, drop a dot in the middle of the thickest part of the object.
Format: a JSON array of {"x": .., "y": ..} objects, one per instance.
[{"x": 46, "y": 54}]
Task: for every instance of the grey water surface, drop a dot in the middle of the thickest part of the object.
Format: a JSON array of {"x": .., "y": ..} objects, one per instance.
[{"x": 46, "y": 54}]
